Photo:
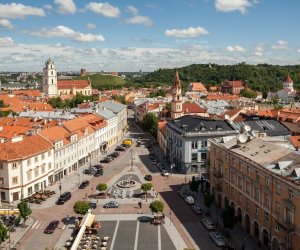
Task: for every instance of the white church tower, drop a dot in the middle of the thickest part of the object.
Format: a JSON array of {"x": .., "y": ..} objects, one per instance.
[
  {"x": 288, "y": 84},
  {"x": 176, "y": 103},
  {"x": 49, "y": 79}
]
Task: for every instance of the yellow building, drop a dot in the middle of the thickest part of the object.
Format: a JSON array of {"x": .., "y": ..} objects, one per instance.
[{"x": 262, "y": 182}]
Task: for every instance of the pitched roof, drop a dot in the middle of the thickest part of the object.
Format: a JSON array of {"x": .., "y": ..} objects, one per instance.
[
  {"x": 295, "y": 140},
  {"x": 55, "y": 134},
  {"x": 288, "y": 79},
  {"x": 27, "y": 92},
  {"x": 236, "y": 84},
  {"x": 69, "y": 84},
  {"x": 198, "y": 86},
  {"x": 192, "y": 108},
  {"x": 163, "y": 128},
  {"x": 28, "y": 147}
]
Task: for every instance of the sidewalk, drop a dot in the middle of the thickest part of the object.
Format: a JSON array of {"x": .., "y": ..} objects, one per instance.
[{"x": 14, "y": 237}]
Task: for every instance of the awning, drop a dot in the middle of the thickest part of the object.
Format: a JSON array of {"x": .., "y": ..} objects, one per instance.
[{"x": 87, "y": 221}]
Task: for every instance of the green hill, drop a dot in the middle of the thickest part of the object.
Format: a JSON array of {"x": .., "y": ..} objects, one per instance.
[
  {"x": 261, "y": 77},
  {"x": 101, "y": 82}
]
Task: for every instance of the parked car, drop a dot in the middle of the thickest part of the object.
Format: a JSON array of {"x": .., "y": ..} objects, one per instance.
[
  {"x": 120, "y": 148},
  {"x": 148, "y": 177},
  {"x": 183, "y": 193},
  {"x": 111, "y": 204},
  {"x": 84, "y": 184},
  {"x": 106, "y": 160},
  {"x": 208, "y": 224},
  {"x": 93, "y": 205},
  {"x": 98, "y": 166},
  {"x": 164, "y": 172},
  {"x": 197, "y": 209},
  {"x": 98, "y": 173},
  {"x": 64, "y": 198},
  {"x": 115, "y": 154},
  {"x": 218, "y": 239},
  {"x": 89, "y": 171},
  {"x": 189, "y": 200},
  {"x": 51, "y": 227}
]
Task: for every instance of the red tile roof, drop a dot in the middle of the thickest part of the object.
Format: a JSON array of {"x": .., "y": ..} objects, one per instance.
[
  {"x": 288, "y": 79},
  {"x": 27, "y": 92},
  {"x": 198, "y": 86},
  {"x": 55, "y": 134},
  {"x": 69, "y": 84},
  {"x": 236, "y": 84},
  {"x": 295, "y": 140},
  {"x": 162, "y": 126},
  {"x": 28, "y": 147},
  {"x": 192, "y": 108}
]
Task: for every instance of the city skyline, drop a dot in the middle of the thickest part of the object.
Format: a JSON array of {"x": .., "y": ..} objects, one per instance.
[{"x": 147, "y": 35}]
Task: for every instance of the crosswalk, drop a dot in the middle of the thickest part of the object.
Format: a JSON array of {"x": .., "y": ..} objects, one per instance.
[{"x": 43, "y": 224}]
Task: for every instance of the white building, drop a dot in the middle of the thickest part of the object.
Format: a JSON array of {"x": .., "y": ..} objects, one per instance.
[
  {"x": 49, "y": 85},
  {"x": 26, "y": 166}
]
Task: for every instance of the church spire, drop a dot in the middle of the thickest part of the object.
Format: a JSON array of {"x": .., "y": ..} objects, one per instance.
[{"x": 177, "y": 83}]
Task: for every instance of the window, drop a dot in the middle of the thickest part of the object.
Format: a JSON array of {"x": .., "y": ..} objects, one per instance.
[
  {"x": 256, "y": 210},
  {"x": 15, "y": 180},
  {"x": 267, "y": 181},
  {"x": 240, "y": 182},
  {"x": 49, "y": 153},
  {"x": 29, "y": 190},
  {"x": 204, "y": 144},
  {"x": 257, "y": 176},
  {"x": 28, "y": 162},
  {"x": 194, "y": 156},
  {"x": 248, "y": 171},
  {"x": 49, "y": 166},
  {"x": 29, "y": 175},
  {"x": 226, "y": 172},
  {"x": 36, "y": 159},
  {"x": 266, "y": 217},
  {"x": 276, "y": 227},
  {"x": 247, "y": 204},
  {"x": 289, "y": 216},
  {"x": 240, "y": 197},
  {"x": 43, "y": 156},
  {"x": 14, "y": 165},
  {"x": 256, "y": 194},
  {"x": 194, "y": 145},
  {"x": 277, "y": 188},
  {"x": 232, "y": 179},
  {"x": 1, "y": 181},
  {"x": 36, "y": 172},
  {"x": 290, "y": 194},
  {"x": 203, "y": 156},
  {"x": 277, "y": 208},
  {"x": 43, "y": 169},
  {"x": 266, "y": 200},
  {"x": 247, "y": 188}
]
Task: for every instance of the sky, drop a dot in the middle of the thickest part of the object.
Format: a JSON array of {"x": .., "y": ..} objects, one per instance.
[{"x": 123, "y": 35}]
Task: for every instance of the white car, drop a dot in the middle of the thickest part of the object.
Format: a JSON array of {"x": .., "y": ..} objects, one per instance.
[
  {"x": 218, "y": 239},
  {"x": 164, "y": 172},
  {"x": 209, "y": 225},
  {"x": 189, "y": 200}
]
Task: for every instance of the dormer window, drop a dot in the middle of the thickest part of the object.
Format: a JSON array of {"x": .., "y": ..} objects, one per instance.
[{"x": 203, "y": 128}]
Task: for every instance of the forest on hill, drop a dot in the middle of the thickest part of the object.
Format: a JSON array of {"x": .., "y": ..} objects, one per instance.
[
  {"x": 261, "y": 77},
  {"x": 102, "y": 82}
]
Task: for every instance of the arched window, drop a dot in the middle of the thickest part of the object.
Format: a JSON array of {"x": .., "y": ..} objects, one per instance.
[{"x": 52, "y": 81}]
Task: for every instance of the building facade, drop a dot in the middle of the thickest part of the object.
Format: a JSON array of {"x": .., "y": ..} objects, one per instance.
[
  {"x": 176, "y": 103},
  {"x": 261, "y": 181},
  {"x": 187, "y": 141}
]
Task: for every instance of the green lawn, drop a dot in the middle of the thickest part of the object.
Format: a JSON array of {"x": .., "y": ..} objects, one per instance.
[{"x": 104, "y": 81}]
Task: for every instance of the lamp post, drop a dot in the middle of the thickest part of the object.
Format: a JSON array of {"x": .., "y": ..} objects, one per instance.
[{"x": 59, "y": 186}]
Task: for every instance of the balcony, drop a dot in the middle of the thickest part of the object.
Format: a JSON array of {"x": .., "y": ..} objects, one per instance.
[{"x": 286, "y": 225}]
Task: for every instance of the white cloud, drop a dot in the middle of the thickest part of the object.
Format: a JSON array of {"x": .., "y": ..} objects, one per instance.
[
  {"x": 104, "y": 9},
  {"x": 48, "y": 7},
  {"x": 189, "y": 32},
  {"x": 6, "y": 24},
  {"x": 259, "y": 49},
  {"x": 131, "y": 9},
  {"x": 280, "y": 45},
  {"x": 16, "y": 10},
  {"x": 6, "y": 41},
  {"x": 235, "y": 48},
  {"x": 144, "y": 20},
  {"x": 63, "y": 31},
  {"x": 91, "y": 26},
  {"x": 298, "y": 50},
  {"x": 232, "y": 5},
  {"x": 66, "y": 6}
]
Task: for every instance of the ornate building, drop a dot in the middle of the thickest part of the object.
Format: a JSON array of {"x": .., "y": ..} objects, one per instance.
[
  {"x": 176, "y": 103},
  {"x": 287, "y": 93},
  {"x": 52, "y": 87}
]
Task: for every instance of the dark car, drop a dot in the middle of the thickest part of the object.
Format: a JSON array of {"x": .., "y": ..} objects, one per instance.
[
  {"x": 51, "y": 227},
  {"x": 120, "y": 148},
  {"x": 148, "y": 177},
  {"x": 98, "y": 173},
  {"x": 93, "y": 205},
  {"x": 98, "y": 166},
  {"x": 89, "y": 171},
  {"x": 111, "y": 204},
  {"x": 106, "y": 160},
  {"x": 63, "y": 198},
  {"x": 84, "y": 184}
]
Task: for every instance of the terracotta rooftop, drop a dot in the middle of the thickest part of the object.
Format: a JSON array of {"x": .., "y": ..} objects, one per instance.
[
  {"x": 69, "y": 84},
  {"x": 163, "y": 128},
  {"x": 56, "y": 133},
  {"x": 295, "y": 140},
  {"x": 198, "y": 86},
  {"x": 27, "y": 92},
  {"x": 235, "y": 84},
  {"x": 192, "y": 108},
  {"x": 288, "y": 79},
  {"x": 28, "y": 147}
]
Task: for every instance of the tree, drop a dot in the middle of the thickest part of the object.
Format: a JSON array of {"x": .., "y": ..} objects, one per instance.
[
  {"x": 119, "y": 98},
  {"x": 228, "y": 217},
  {"x": 102, "y": 187},
  {"x": 24, "y": 209},
  {"x": 81, "y": 207},
  {"x": 208, "y": 200},
  {"x": 249, "y": 93},
  {"x": 194, "y": 185},
  {"x": 146, "y": 187},
  {"x": 150, "y": 123},
  {"x": 2, "y": 105},
  {"x": 157, "y": 206},
  {"x": 3, "y": 232}
]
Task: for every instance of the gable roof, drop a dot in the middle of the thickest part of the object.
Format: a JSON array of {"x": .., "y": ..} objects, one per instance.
[
  {"x": 69, "y": 84},
  {"x": 192, "y": 108},
  {"x": 197, "y": 86}
]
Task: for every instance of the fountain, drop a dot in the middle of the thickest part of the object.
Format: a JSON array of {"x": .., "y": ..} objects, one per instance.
[{"x": 127, "y": 183}]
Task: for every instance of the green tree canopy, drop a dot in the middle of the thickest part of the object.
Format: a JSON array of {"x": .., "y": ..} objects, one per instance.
[
  {"x": 194, "y": 185},
  {"x": 160, "y": 92},
  {"x": 248, "y": 93},
  {"x": 57, "y": 102},
  {"x": 146, "y": 187},
  {"x": 119, "y": 98},
  {"x": 3, "y": 232},
  {"x": 208, "y": 199},
  {"x": 81, "y": 207},
  {"x": 102, "y": 186},
  {"x": 150, "y": 123},
  {"x": 157, "y": 206},
  {"x": 228, "y": 217},
  {"x": 24, "y": 209}
]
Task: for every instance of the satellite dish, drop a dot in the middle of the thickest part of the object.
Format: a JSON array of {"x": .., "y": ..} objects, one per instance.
[
  {"x": 254, "y": 133},
  {"x": 243, "y": 138},
  {"x": 227, "y": 117},
  {"x": 247, "y": 128}
]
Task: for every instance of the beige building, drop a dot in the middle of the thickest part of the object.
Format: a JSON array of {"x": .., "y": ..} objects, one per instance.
[{"x": 262, "y": 182}]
